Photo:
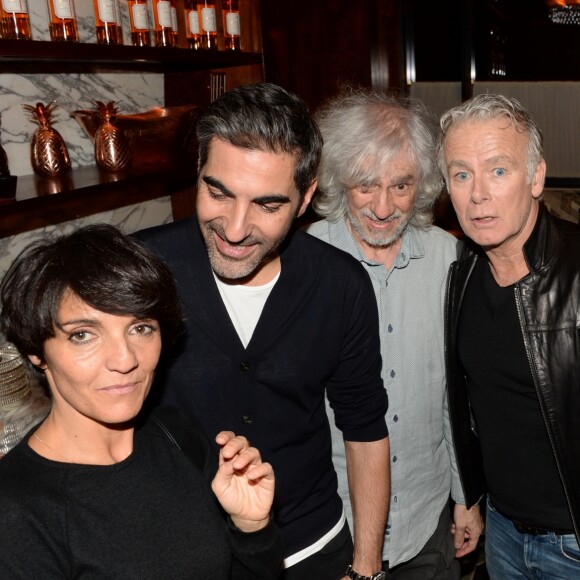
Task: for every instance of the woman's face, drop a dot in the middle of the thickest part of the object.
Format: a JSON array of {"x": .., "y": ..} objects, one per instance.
[{"x": 99, "y": 366}]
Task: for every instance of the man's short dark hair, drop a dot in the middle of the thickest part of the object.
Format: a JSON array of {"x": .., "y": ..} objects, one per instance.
[
  {"x": 109, "y": 271},
  {"x": 264, "y": 117}
]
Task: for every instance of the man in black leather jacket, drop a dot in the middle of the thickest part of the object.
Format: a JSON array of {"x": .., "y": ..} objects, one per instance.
[{"x": 513, "y": 342}]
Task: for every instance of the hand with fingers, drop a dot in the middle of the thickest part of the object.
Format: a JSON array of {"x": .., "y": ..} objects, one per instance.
[
  {"x": 243, "y": 484},
  {"x": 467, "y": 527}
]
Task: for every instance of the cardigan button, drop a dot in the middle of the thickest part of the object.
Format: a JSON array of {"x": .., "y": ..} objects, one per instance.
[
  {"x": 247, "y": 419},
  {"x": 245, "y": 366}
]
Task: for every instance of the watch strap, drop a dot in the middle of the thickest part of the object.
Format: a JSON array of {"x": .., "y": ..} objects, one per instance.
[{"x": 356, "y": 576}]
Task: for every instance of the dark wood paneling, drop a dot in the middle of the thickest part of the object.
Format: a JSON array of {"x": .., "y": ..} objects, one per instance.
[{"x": 313, "y": 50}]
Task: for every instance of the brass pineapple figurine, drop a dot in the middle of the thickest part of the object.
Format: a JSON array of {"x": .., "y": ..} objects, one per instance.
[
  {"x": 48, "y": 152},
  {"x": 112, "y": 151}
]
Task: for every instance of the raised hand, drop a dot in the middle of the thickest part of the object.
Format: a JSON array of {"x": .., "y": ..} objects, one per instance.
[{"x": 243, "y": 484}]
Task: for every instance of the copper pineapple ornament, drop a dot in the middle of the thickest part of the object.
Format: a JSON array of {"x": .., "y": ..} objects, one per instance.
[
  {"x": 48, "y": 152},
  {"x": 112, "y": 151}
]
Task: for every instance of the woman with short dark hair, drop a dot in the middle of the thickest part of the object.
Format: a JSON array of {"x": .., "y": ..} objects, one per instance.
[{"x": 97, "y": 491}]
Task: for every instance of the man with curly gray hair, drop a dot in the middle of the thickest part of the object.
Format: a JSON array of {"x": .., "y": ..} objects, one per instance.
[{"x": 378, "y": 182}]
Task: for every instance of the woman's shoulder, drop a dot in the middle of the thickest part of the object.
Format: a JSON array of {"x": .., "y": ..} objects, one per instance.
[{"x": 183, "y": 431}]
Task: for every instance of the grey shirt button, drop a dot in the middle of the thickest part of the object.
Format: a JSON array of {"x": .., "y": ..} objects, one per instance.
[{"x": 393, "y": 373}]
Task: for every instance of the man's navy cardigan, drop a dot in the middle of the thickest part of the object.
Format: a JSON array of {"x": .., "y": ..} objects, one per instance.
[{"x": 318, "y": 330}]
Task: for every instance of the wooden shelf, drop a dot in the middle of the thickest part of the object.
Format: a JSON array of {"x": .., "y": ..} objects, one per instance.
[
  {"x": 36, "y": 56},
  {"x": 42, "y": 202}
]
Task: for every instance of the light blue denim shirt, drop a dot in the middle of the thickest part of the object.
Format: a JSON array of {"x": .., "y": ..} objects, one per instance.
[{"x": 410, "y": 299}]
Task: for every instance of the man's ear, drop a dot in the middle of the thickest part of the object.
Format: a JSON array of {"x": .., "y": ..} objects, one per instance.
[
  {"x": 36, "y": 361},
  {"x": 307, "y": 197},
  {"x": 538, "y": 180}
]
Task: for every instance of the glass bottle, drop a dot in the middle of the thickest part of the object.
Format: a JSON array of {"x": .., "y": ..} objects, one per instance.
[
  {"x": 62, "y": 20},
  {"x": 119, "y": 23},
  {"x": 193, "y": 30},
  {"x": 106, "y": 22},
  {"x": 231, "y": 15},
  {"x": 162, "y": 29},
  {"x": 14, "y": 20},
  {"x": 207, "y": 24},
  {"x": 174, "y": 25},
  {"x": 139, "y": 19}
]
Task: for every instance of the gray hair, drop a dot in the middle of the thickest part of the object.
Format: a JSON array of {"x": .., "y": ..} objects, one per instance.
[
  {"x": 363, "y": 131},
  {"x": 490, "y": 106},
  {"x": 264, "y": 117}
]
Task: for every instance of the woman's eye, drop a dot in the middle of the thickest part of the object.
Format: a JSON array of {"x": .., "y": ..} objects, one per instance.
[
  {"x": 499, "y": 171},
  {"x": 144, "y": 329},
  {"x": 462, "y": 176},
  {"x": 80, "y": 336}
]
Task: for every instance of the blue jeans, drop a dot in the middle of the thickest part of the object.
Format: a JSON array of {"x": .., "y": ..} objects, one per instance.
[{"x": 510, "y": 554}]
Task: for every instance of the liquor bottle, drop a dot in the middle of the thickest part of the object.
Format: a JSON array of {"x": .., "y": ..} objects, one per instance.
[
  {"x": 139, "y": 19},
  {"x": 192, "y": 24},
  {"x": 174, "y": 24},
  {"x": 119, "y": 22},
  {"x": 62, "y": 20},
  {"x": 162, "y": 29},
  {"x": 14, "y": 20},
  {"x": 231, "y": 15},
  {"x": 106, "y": 25},
  {"x": 207, "y": 24}
]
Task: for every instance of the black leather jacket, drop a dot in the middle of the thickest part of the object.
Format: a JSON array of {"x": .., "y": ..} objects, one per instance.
[{"x": 548, "y": 303}]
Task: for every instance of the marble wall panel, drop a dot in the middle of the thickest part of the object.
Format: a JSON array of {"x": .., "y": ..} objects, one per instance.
[{"x": 128, "y": 219}]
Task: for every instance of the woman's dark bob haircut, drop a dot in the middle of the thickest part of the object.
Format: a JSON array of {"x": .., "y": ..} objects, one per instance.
[{"x": 108, "y": 270}]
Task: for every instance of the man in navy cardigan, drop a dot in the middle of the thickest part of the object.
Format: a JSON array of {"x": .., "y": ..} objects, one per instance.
[{"x": 274, "y": 319}]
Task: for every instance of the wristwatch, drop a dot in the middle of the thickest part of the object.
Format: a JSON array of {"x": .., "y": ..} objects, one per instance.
[{"x": 356, "y": 576}]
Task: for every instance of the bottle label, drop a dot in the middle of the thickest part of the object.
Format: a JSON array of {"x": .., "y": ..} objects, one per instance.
[
  {"x": 107, "y": 12},
  {"x": 139, "y": 13},
  {"x": 233, "y": 23},
  {"x": 63, "y": 8},
  {"x": 164, "y": 13},
  {"x": 174, "y": 26},
  {"x": 193, "y": 22},
  {"x": 18, "y": 6},
  {"x": 208, "y": 20}
]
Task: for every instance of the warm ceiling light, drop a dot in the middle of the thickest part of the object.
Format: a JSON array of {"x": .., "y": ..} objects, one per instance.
[{"x": 565, "y": 11}]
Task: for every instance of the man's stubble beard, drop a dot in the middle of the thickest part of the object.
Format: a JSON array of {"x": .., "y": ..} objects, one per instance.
[{"x": 232, "y": 269}]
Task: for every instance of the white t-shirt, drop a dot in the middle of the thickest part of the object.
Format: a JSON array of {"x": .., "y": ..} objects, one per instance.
[{"x": 245, "y": 304}]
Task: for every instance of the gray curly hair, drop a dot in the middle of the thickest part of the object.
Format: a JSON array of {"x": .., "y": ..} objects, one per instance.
[
  {"x": 362, "y": 131},
  {"x": 492, "y": 106}
]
